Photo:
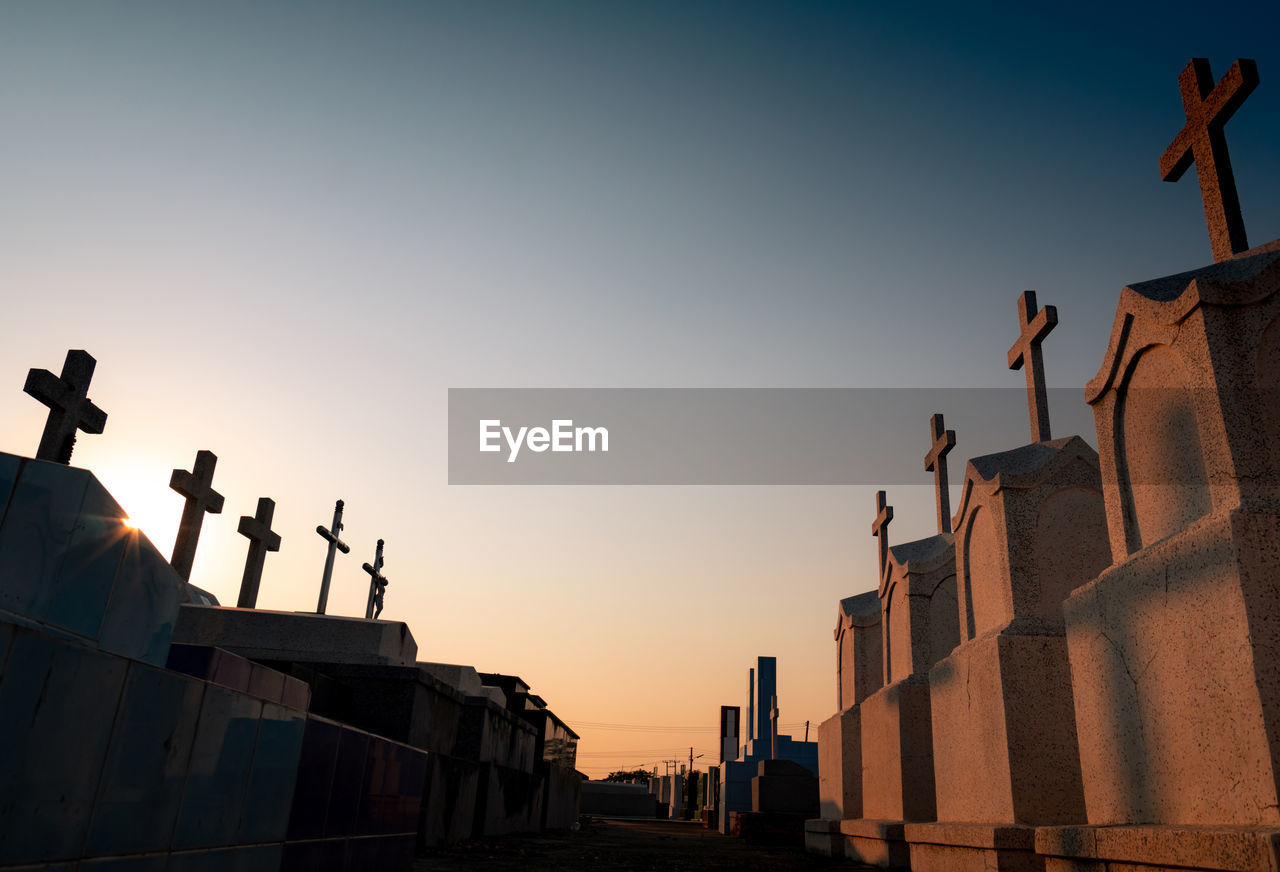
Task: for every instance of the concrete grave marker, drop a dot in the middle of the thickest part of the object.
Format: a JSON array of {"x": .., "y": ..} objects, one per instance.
[
  {"x": 1202, "y": 141},
  {"x": 261, "y": 540},
  {"x": 730, "y": 717},
  {"x": 335, "y": 544},
  {"x": 377, "y": 584},
  {"x": 69, "y": 406},
  {"x": 197, "y": 487},
  {"x": 1030, "y": 530}
]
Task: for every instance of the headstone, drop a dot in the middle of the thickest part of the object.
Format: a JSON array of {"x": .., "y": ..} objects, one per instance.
[
  {"x": 1030, "y": 529},
  {"x": 377, "y": 584},
  {"x": 766, "y": 687},
  {"x": 730, "y": 718},
  {"x": 1174, "y": 648},
  {"x": 860, "y": 672},
  {"x": 335, "y": 544},
  {"x": 197, "y": 487},
  {"x": 257, "y": 530},
  {"x": 1203, "y": 142},
  {"x": 69, "y": 406}
]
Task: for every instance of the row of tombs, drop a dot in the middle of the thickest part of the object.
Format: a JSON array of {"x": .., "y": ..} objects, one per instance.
[
  {"x": 140, "y": 731},
  {"x": 1084, "y": 675}
]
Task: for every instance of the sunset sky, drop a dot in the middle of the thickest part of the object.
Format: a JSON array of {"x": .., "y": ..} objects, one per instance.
[{"x": 285, "y": 230}]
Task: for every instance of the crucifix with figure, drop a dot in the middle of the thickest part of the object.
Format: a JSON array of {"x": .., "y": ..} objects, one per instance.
[
  {"x": 1203, "y": 141},
  {"x": 197, "y": 487},
  {"x": 1025, "y": 353},
  {"x": 936, "y": 462},
  {"x": 880, "y": 529},
  {"x": 335, "y": 544},
  {"x": 70, "y": 408},
  {"x": 377, "y": 585},
  {"x": 261, "y": 540}
]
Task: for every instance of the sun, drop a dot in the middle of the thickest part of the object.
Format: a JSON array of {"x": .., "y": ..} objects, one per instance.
[{"x": 149, "y": 506}]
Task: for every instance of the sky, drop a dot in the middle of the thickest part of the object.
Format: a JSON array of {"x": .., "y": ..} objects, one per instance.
[{"x": 286, "y": 230}]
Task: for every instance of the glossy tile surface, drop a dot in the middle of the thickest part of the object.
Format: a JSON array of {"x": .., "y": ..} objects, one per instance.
[
  {"x": 144, "y": 604},
  {"x": 146, "y": 768},
  {"x": 37, "y": 528},
  {"x": 213, "y": 798},
  {"x": 274, "y": 774},
  {"x": 87, "y": 571},
  {"x": 58, "y": 701},
  {"x": 315, "y": 779}
]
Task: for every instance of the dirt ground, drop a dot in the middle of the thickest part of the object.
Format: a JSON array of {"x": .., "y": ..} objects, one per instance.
[{"x": 627, "y": 846}]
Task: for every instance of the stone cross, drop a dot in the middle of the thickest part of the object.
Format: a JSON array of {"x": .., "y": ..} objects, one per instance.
[
  {"x": 261, "y": 540},
  {"x": 936, "y": 462},
  {"x": 335, "y": 544},
  {"x": 197, "y": 487},
  {"x": 69, "y": 406},
  {"x": 1035, "y": 326},
  {"x": 773, "y": 728},
  {"x": 880, "y": 529},
  {"x": 377, "y": 584},
  {"x": 1203, "y": 142}
]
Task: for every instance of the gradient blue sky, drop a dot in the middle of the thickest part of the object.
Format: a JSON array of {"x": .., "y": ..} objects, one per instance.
[{"x": 286, "y": 229}]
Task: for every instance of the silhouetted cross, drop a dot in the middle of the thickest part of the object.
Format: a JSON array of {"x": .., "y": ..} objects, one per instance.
[
  {"x": 377, "y": 584},
  {"x": 880, "y": 528},
  {"x": 261, "y": 540},
  {"x": 936, "y": 462},
  {"x": 69, "y": 406},
  {"x": 1203, "y": 142},
  {"x": 1026, "y": 351},
  {"x": 335, "y": 544},
  {"x": 197, "y": 487}
]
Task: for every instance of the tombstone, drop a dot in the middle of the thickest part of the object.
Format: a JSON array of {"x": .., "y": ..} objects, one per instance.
[
  {"x": 1029, "y": 530},
  {"x": 860, "y": 672},
  {"x": 1174, "y": 648},
  {"x": 918, "y": 627},
  {"x": 736, "y": 775},
  {"x": 69, "y": 406},
  {"x": 730, "y": 718},
  {"x": 262, "y": 538}
]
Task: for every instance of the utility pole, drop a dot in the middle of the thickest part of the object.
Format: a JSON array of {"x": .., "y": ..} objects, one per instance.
[{"x": 806, "y": 731}]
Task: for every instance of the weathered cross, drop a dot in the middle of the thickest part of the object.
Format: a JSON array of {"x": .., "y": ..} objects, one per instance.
[
  {"x": 880, "y": 528},
  {"x": 335, "y": 544},
  {"x": 377, "y": 584},
  {"x": 936, "y": 462},
  {"x": 1026, "y": 352},
  {"x": 69, "y": 406},
  {"x": 261, "y": 540},
  {"x": 1203, "y": 142},
  {"x": 197, "y": 487},
  {"x": 773, "y": 728}
]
